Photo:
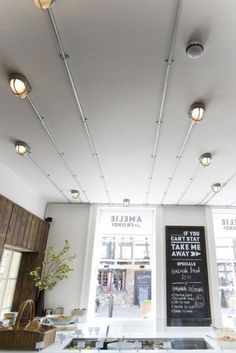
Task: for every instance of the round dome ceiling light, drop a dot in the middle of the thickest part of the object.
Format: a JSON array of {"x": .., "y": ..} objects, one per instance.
[
  {"x": 205, "y": 159},
  {"x": 194, "y": 50},
  {"x": 19, "y": 85},
  {"x": 126, "y": 202},
  {"x": 22, "y": 148},
  {"x": 216, "y": 187},
  {"x": 74, "y": 194},
  {"x": 196, "y": 112},
  {"x": 44, "y": 4}
]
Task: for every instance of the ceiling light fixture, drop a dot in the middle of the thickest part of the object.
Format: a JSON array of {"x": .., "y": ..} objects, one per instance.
[
  {"x": 74, "y": 194},
  {"x": 22, "y": 148},
  {"x": 126, "y": 202},
  {"x": 216, "y": 187},
  {"x": 196, "y": 112},
  {"x": 205, "y": 159},
  {"x": 19, "y": 85},
  {"x": 194, "y": 50},
  {"x": 44, "y": 4}
]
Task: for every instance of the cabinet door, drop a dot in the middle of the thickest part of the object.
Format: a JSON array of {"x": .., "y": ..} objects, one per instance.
[
  {"x": 31, "y": 233},
  {"x": 17, "y": 226},
  {"x": 23, "y": 229},
  {"x": 5, "y": 214},
  {"x": 25, "y": 288}
]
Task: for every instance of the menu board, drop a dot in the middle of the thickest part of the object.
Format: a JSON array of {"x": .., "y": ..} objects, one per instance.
[{"x": 187, "y": 281}]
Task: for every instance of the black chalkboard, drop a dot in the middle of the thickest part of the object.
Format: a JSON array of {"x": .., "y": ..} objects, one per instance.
[
  {"x": 142, "y": 286},
  {"x": 187, "y": 281}
]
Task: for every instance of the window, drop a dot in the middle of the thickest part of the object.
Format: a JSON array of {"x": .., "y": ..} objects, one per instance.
[
  {"x": 9, "y": 267},
  {"x": 111, "y": 281},
  {"x": 224, "y": 222},
  {"x": 123, "y": 265}
]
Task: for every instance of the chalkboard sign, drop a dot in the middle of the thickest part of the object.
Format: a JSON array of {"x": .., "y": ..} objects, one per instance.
[
  {"x": 187, "y": 281},
  {"x": 142, "y": 286}
]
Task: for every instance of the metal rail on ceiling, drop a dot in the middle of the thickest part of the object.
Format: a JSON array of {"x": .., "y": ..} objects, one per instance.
[
  {"x": 179, "y": 156},
  {"x": 48, "y": 176},
  {"x": 65, "y": 58},
  {"x": 159, "y": 122},
  {"x": 56, "y": 145}
]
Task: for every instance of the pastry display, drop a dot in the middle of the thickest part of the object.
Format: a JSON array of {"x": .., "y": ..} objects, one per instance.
[
  {"x": 227, "y": 338},
  {"x": 58, "y": 320}
]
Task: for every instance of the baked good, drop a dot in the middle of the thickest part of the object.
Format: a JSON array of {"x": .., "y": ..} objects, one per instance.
[{"x": 33, "y": 325}]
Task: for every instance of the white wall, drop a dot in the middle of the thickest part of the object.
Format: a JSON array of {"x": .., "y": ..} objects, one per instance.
[
  {"x": 69, "y": 221},
  {"x": 15, "y": 189},
  {"x": 184, "y": 216}
]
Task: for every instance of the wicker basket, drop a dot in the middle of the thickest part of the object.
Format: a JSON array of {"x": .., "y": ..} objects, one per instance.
[{"x": 19, "y": 338}]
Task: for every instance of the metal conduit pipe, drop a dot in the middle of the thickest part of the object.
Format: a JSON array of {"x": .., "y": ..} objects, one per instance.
[
  {"x": 185, "y": 190},
  {"x": 204, "y": 198},
  {"x": 169, "y": 61},
  {"x": 65, "y": 58},
  {"x": 222, "y": 187},
  {"x": 231, "y": 204},
  {"x": 48, "y": 176},
  {"x": 210, "y": 198},
  {"x": 178, "y": 160},
  {"x": 214, "y": 194},
  {"x": 60, "y": 152},
  {"x": 188, "y": 185}
]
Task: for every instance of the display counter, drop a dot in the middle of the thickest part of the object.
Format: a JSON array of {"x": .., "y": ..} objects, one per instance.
[{"x": 211, "y": 344}]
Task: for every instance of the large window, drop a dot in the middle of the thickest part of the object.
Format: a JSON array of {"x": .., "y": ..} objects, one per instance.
[
  {"x": 9, "y": 267},
  {"x": 225, "y": 239},
  {"x": 122, "y": 275}
]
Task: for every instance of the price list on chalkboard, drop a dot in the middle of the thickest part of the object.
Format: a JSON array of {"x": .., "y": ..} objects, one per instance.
[{"x": 187, "y": 281}]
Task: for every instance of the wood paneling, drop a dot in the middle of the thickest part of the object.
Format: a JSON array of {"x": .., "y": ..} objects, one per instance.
[
  {"x": 23, "y": 229},
  {"x": 18, "y": 238},
  {"x": 20, "y": 229},
  {"x": 39, "y": 238},
  {"x": 5, "y": 214},
  {"x": 27, "y": 234},
  {"x": 25, "y": 288},
  {"x": 33, "y": 233},
  {"x": 12, "y": 222}
]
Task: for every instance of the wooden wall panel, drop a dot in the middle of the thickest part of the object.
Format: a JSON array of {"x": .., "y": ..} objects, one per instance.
[
  {"x": 12, "y": 223},
  {"x": 25, "y": 288},
  {"x": 23, "y": 229},
  {"x": 33, "y": 233},
  {"x": 39, "y": 238},
  {"x": 28, "y": 233},
  {"x": 18, "y": 238},
  {"x": 6, "y": 207},
  {"x": 27, "y": 230}
]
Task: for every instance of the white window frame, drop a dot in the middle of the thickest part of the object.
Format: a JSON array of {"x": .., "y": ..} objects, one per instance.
[
  {"x": 12, "y": 265},
  {"x": 92, "y": 292},
  {"x": 221, "y": 211}
]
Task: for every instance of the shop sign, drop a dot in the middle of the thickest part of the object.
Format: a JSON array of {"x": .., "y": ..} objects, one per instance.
[
  {"x": 224, "y": 224},
  {"x": 120, "y": 222}
]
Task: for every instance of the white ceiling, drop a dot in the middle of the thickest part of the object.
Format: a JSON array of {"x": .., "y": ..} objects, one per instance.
[{"x": 117, "y": 56}]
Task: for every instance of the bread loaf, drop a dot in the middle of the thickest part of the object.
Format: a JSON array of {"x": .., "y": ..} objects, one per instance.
[{"x": 33, "y": 325}]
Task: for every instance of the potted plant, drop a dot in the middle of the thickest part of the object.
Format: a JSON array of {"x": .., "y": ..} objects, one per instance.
[{"x": 55, "y": 268}]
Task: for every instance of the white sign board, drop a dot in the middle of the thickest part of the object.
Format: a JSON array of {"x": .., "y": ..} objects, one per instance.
[
  {"x": 224, "y": 224},
  {"x": 126, "y": 222}
]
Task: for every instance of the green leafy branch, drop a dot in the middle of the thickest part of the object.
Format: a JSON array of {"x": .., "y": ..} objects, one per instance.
[{"x": 55, "y": 268}]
